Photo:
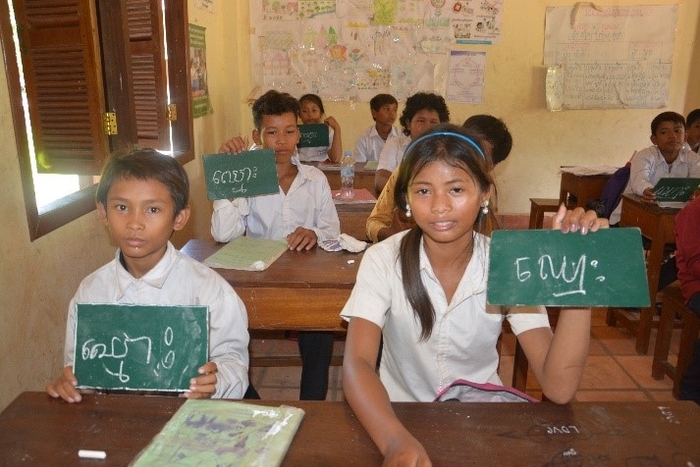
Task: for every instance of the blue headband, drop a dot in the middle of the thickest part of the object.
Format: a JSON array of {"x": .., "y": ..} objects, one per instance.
[{"x": 447, "y": 133}]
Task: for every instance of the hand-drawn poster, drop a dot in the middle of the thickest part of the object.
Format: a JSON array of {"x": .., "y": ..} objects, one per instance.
[
  {"x": 201, "y": 105},
  {"x": 466, "y": 82},
  {"x": 609, "y": 57},
  {"x": 354, "y": 49}
]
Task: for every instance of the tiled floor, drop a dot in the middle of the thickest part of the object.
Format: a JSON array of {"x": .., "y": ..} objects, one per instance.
[{"x": 614, "y": 371}]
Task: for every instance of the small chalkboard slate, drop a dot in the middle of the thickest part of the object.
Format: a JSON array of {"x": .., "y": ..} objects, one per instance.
[
  {"x": 547, "y": 267},
  {"x": 140, "y": 347},
  {"x": 675, "y": 189},
  {"x": 249, "y": 173},
  {"x": 313, "y": 135}
]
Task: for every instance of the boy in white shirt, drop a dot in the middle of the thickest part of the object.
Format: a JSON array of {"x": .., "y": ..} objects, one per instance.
[
  {"x": 302, "y": 211},
  {"x": 142, "y": 198},
  {"x": 369, "y": 145}
]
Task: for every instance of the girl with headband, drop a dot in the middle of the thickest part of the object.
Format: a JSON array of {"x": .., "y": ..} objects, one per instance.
[{"x": 424, "y": 291}]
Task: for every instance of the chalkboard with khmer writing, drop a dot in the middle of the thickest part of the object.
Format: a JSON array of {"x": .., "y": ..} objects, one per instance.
[
  {"x": 675, "y": 189},
  {"x": 313, "y": 135},
  {"x": 140, "y": 347},
  {"x": 547, "y": 267},
  {"x": 242, "y": 175}
]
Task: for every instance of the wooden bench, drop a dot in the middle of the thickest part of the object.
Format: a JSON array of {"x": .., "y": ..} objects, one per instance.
[{"x": 672, "y": 307}]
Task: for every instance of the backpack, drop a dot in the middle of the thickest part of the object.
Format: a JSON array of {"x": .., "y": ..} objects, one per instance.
[{"x": 612, "y": 192}]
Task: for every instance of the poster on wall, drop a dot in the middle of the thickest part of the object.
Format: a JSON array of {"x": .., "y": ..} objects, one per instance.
[
  {"x": 609, "y": 57},
  {"x": 201, "y": 105},
  {"x": 355, "y": 49},
  {"x": 206, "y": 5}
]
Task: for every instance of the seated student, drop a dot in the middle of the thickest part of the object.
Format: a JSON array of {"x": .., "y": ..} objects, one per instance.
[
  {"x": 422, "y": 111},
  {"x": 494, "y": 139},
  {"x": 424, "y": 292},
  {"x": 142, "y": 198},
  {"x": 302, "y": 211},
  {"x": 311, "y": 111},
  {"x": 692, "y": 130},
  {"x": 370, "y": 143},
  {"x": 666, "y": 158},
  {"x": 687, "y": 228}
]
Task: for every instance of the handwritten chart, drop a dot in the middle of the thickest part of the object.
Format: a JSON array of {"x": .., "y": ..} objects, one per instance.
[
  {"x": 547, "y": 267},
  {"x": 609, "y": 57},
  {"x": 140, "y": 347}
]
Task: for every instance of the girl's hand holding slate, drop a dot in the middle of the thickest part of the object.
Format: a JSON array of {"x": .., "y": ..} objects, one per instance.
[
  {"x": 204, "y": 386},
  {"x": 64, "y": 387},
  {"x": 578, "y": 220},
  {"x": 302, "y": 239}
]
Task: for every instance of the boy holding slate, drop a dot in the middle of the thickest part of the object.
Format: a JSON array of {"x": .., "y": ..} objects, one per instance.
[
  {"x": 423, "y": 291},
  {"x": 666, "y": 158},
  {"x": 302, "y": 211},
  {"x": 142, "y": 198}
]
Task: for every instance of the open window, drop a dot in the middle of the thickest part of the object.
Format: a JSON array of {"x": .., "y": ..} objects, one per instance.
[{"x": 92, "y": 77}]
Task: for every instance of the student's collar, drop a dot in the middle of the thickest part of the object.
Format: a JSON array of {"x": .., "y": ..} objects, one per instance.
[
  {"x": 474, "y": 279},
  {"x": 155, "y": 277}
]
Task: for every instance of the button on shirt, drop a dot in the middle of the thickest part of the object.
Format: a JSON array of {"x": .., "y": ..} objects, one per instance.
[
  {"x": 177, "y": 279},
  {"x": 308, "y": 204},
  {"x": 463, "y": 342},
  {"x": 369, "y": 145},
  {"x": 648, "y": 166}
]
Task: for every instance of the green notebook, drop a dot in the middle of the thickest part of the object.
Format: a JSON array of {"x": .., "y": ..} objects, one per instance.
[
  {"x": 215, "y": 432},
  {"x": 247, "y": 254}
]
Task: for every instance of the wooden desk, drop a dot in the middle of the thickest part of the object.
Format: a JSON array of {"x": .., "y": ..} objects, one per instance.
[
  {"x": 580, "y": 187},
  {"x": 301, "y": 290},
  {"x": 364, "y": 178},
  {"x": 656, "y": 224},
  {"x": 353, "y": 216},
  {"x": 37, "y": 430}
]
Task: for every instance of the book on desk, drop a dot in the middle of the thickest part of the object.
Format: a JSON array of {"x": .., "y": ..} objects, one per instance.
[
  {"x": 247, "y": 254},
  {"x": 207, "y": 432}
]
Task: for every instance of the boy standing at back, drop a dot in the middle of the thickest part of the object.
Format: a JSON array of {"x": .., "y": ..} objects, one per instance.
[
  {"x": 143, "y": 198},
  {"x": 302, "y": 211},
  {"x": 370, "y": 143}
]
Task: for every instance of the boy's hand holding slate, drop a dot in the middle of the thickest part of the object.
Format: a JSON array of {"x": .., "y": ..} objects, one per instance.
[{"x": 249, "y": 173}]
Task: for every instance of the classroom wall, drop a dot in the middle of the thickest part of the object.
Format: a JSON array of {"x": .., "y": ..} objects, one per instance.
[{"x": 38, "y": 278}]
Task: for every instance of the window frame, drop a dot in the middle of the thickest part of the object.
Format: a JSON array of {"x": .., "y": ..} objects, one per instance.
[{"x": 81, "y": 202}]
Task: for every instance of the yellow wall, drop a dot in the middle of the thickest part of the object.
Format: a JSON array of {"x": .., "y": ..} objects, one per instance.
[{"x": 38, "y": 278}]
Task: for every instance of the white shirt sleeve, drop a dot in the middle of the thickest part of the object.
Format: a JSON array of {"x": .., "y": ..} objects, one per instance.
[{"x": 228, "y": 221}]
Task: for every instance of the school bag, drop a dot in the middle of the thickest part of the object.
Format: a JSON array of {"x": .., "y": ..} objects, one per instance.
[{"x": 612, "y": 192}]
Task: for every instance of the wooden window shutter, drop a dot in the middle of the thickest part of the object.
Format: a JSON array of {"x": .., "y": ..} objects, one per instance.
[
  {"x": 63, "y": 75},
  {"x": 148, "y": 72}
]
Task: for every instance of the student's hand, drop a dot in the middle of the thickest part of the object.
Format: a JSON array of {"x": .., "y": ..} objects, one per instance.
[
  {"x": 235, "y": 145},
  {"x": 578, "y": 220},
  {"x": 301, "y": 239},
  {"x": 333, "y": 123},
  {"x": 64, "y": 387},
  {"x": 406, "y": 452},
  {"x": 203, "y": 386},
  {"x": 648, "y": 195}
]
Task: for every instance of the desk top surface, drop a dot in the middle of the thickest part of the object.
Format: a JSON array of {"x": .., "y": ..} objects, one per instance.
[
  {"x": 38, "y": 430},
  {"x": 636, "y": 200},
  {"x": 315, "y": 268}
]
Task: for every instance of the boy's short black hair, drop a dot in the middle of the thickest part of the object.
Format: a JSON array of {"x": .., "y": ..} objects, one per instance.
[
  {"x": 692, "y": 117},
  {"x": 315, "y": 99},
  {"x": 145, "y": 164},
  {"x": 493, "y": 130},
  {"x": 666, "y": 117},
  {"x": 273, "y": 103},
  {"x": 421, "y": 101},
  {"x": 380, "y": 100}
]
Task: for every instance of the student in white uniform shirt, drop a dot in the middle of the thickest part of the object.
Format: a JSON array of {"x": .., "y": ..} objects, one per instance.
[
  {"x": 370, "y": 143},
  {"x": 424, "y": 292},
  {"x": 302, "y": 212}
]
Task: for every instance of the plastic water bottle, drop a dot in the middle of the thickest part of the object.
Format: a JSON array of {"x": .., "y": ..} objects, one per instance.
[{"x": 347, "y": 176}]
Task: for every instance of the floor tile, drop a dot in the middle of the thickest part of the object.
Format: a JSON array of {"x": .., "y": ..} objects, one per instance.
[
  {"x": 603, "y": 372},
  {"x": 639, "y": 368}
]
